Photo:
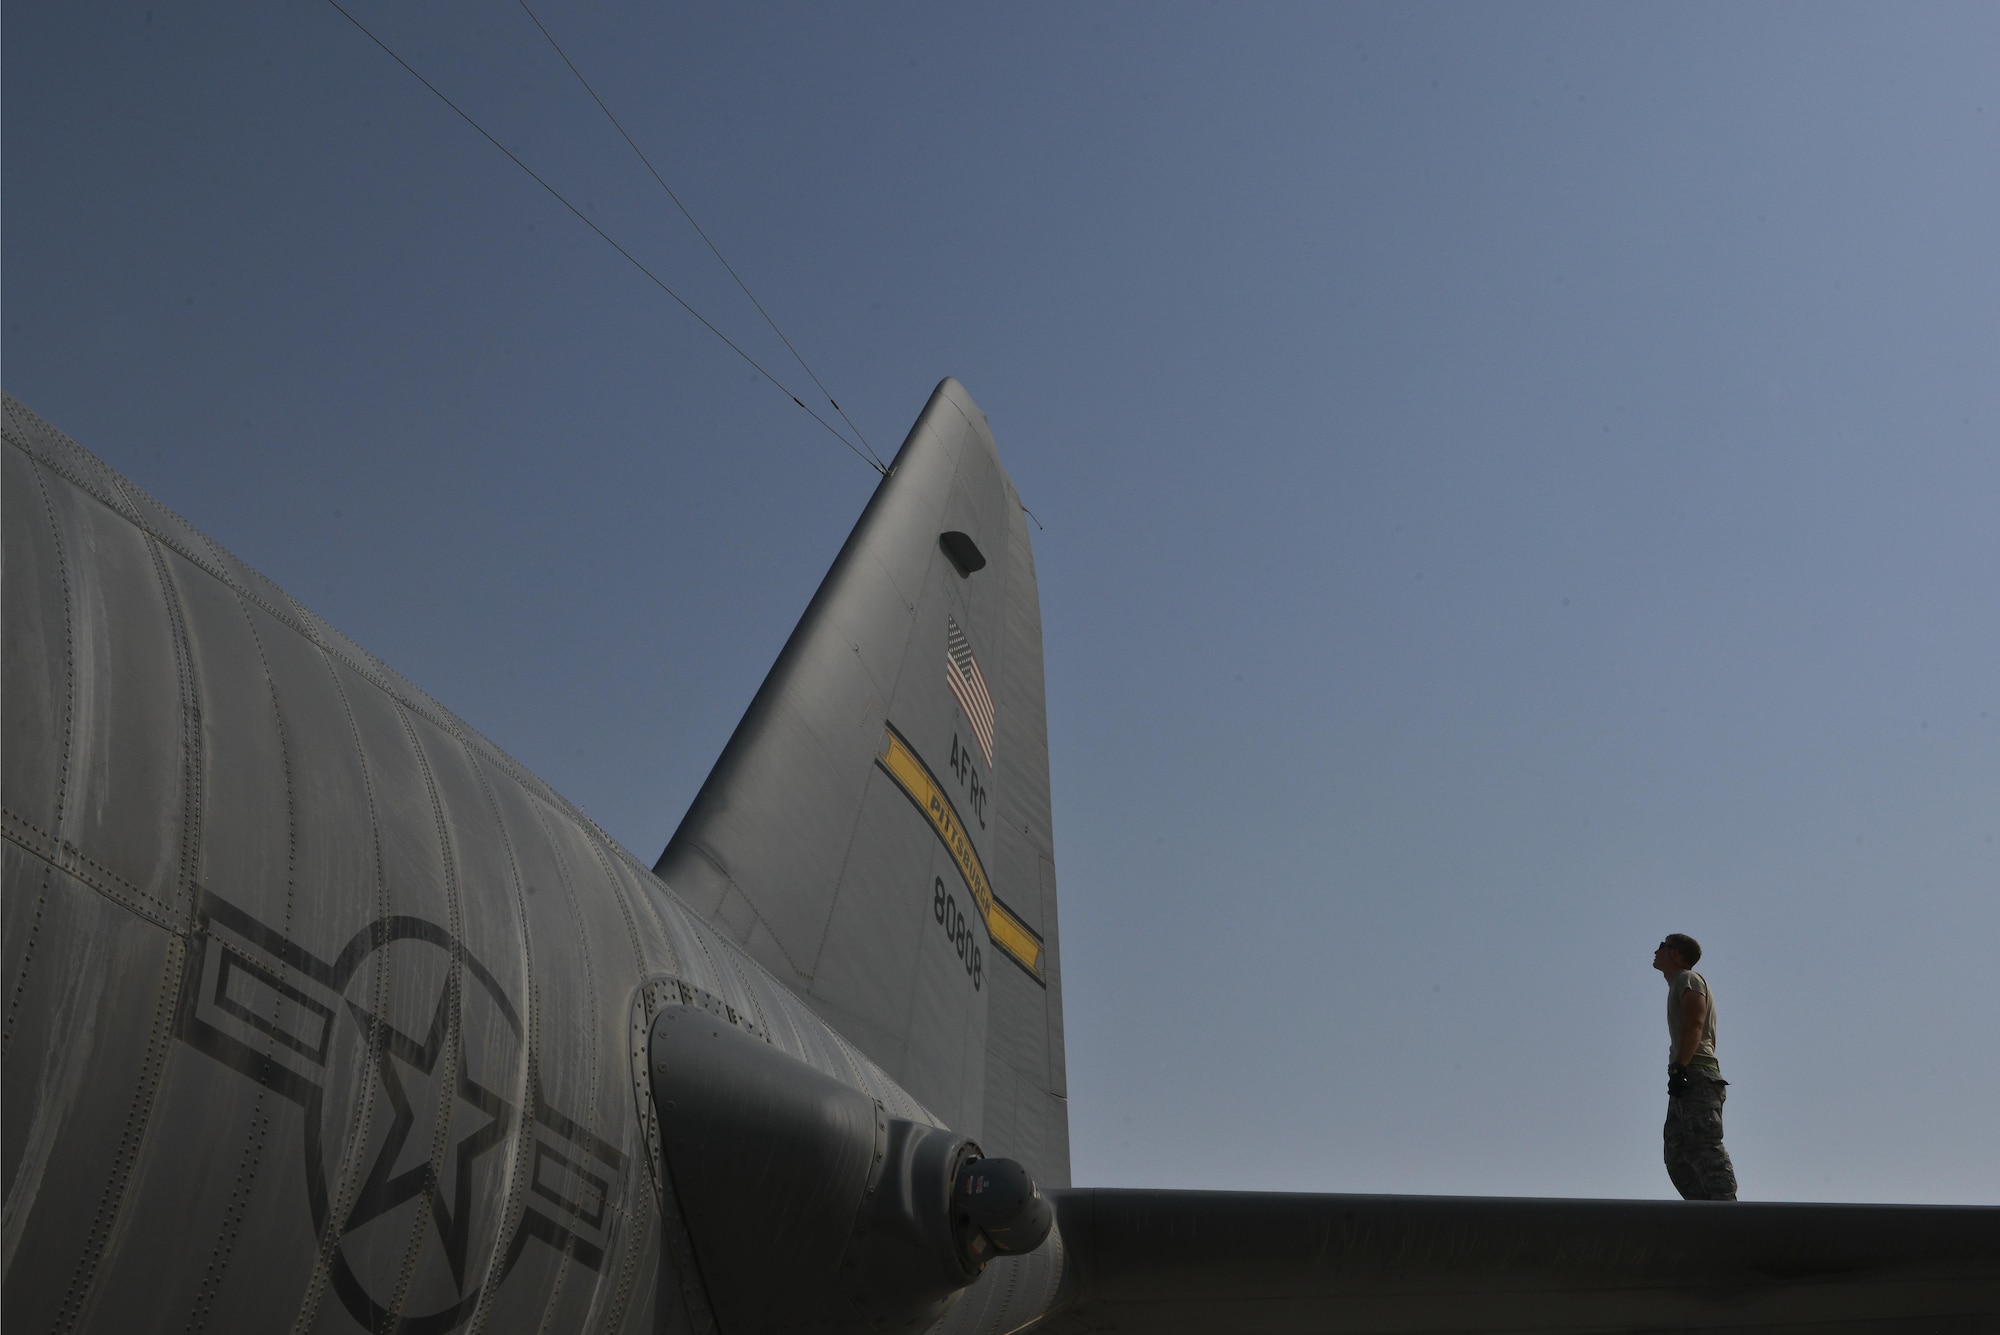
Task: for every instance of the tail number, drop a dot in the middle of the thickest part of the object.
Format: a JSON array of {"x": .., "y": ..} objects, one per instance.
[{"x": 958, "y": 930}]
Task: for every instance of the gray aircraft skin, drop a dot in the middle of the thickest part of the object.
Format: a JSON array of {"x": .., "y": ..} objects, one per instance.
[{"x": 325, "y": 1014}]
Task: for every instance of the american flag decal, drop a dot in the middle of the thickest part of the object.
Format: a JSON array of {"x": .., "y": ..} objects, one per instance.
[{"x": 968, "y": 686}]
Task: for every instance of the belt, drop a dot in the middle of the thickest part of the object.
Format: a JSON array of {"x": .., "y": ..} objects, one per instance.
[{"x": 1709, "y": 1062}]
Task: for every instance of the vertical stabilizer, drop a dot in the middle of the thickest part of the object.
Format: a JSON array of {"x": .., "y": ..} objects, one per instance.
[{"x": 877, "y": 831}]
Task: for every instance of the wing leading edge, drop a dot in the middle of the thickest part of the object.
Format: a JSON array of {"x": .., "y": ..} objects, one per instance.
[{"x": 1166, "y": 1262}]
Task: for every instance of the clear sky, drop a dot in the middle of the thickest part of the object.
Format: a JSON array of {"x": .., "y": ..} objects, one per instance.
[{"x": 1519, "y": 480}]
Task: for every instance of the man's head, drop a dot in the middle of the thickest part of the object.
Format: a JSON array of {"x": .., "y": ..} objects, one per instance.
[{"x": 1676, "y": 951}]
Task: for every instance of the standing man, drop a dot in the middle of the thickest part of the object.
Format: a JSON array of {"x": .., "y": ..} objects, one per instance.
[{"x": 1696, "y": 1161}]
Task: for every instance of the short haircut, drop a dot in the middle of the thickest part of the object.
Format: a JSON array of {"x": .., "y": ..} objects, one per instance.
[{"x": 1687, "y": 946}]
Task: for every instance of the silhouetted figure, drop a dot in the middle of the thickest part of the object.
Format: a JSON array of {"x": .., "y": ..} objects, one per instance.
[{"x": 1696, "y": 1160}]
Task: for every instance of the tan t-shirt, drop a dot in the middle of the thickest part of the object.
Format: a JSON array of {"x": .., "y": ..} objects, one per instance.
[{"x": 1687, "y": 980}]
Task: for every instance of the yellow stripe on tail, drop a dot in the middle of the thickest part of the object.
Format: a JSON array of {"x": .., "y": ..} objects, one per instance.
[{"x": 914, "y": 777}]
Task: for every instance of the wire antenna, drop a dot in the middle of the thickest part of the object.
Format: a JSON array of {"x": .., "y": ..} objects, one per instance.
[
  {"x": 714, "y": 250},
  {"x": 585, "y": 219}
]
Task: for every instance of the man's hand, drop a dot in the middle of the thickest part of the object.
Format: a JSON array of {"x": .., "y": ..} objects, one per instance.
[{"x": 1677, "y": 1080}]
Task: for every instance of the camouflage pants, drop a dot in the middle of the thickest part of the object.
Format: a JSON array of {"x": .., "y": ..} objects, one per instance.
[{"x": 1696, "y": 1161}]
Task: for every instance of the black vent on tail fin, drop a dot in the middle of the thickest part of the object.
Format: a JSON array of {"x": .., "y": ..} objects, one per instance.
[
  {"x": 963, "y": 551},
  {"x": 877, "y": 831}
]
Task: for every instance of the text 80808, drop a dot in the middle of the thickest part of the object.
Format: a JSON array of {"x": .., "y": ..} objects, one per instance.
[{"x": 958, "y": 929}]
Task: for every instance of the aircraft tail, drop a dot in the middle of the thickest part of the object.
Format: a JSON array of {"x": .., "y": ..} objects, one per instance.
[{"x": 877, "y": 831}]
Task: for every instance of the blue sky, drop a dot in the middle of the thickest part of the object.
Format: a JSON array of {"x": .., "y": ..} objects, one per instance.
[{"x": 1518, "y": 480}]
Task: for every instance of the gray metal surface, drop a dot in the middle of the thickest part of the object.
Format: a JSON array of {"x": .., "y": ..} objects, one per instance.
[
  {"x": 772, "y": 1163},
  {"x": 1166, "y": 1262},
  {"x": 809, "y": 1207},
  {"x": 818, "y": 862},
  {"x": 319, "y": 1005}
]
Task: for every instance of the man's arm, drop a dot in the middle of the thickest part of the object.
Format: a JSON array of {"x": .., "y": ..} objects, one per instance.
[{"x": 1694, "y": 1018}]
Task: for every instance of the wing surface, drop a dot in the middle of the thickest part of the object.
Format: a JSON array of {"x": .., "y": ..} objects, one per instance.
[{"x": 1257, "y": 1263}]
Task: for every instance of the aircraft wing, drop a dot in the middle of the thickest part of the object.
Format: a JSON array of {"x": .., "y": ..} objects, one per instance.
[{"x": 1165, "y": 1262}]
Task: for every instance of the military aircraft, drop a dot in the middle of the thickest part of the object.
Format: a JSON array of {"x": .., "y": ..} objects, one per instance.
[{"x": 326, "y": 1015}]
